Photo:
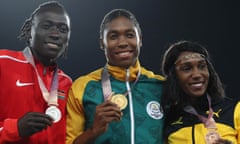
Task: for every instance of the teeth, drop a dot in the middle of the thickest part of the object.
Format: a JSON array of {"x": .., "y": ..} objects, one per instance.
[
  {"x": 197, "y": 85},
  {"x": 52, "y": 45},
  {"x": 123, "y": 53}
]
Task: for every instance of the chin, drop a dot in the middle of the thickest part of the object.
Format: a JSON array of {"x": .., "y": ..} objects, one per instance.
[
  {"x": 125, "y": 65},
  {"x": 197, "y": 94}
]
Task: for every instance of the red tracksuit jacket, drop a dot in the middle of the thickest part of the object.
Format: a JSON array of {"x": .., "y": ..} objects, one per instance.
[{"x": 17, "y": 99}]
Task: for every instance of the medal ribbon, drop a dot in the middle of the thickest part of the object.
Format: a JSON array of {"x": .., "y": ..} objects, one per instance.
[
  {"x": 205, "y": 120},
  {"x": 106, "y": 84},
  {"x": 50, "y": 98}
]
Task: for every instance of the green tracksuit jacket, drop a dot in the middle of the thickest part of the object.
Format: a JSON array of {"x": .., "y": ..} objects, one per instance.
[{"x": 142, "y": 120}]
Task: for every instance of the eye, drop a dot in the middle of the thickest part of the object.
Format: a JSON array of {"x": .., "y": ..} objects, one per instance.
[
  {"x": 113, "y": 36},
  {"x": 202, "y": 66},
  {"x": 130, "y": 35},
  {"x": 63, "y": 28},
  {"x": 185, "y": 68},
  {"x": 46, "y": 26}
]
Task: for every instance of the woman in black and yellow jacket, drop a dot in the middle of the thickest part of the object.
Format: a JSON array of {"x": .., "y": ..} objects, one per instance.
[{"x": 197, "y": 111}]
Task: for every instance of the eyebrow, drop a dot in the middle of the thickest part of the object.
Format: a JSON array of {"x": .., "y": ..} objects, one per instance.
[
  {"x": 127, "y": 30},
  {"x": 50, "y": 21}
]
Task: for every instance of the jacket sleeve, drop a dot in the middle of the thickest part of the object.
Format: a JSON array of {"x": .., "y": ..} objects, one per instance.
[
  {"x": 9, "y": 131},
  {"x": 75, "y": 111},
  {"x": 237, "y": 121}
]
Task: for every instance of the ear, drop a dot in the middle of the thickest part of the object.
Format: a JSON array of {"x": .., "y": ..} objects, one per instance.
[
  {"x": 28, "y": 30},
  {"x": 101, "y": 44},
  {"x": 140, "y": 40},
  {"x": 29, "y": 38}
]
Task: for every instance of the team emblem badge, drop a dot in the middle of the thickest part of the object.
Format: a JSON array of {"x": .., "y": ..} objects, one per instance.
[{"x": 154, "y": 110}]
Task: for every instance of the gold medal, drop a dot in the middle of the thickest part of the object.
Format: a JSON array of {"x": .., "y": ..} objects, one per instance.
[{"x": 120, "y": 100}]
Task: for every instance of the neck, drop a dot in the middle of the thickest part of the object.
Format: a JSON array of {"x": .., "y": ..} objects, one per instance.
[
  {"x": 46, "y": 61},
  {"x": 201, "y": 103}
]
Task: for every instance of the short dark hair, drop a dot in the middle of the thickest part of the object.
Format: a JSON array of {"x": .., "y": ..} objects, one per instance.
[{"x": 115, "y": 13}]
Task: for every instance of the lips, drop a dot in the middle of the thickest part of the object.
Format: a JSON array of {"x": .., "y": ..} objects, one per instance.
[
  {"x": 52, "y": 45},
  {"x": 124, "y": 53},
  {"x": 197, "y": 85}
]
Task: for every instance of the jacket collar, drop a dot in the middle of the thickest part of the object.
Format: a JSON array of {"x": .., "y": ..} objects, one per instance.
[{"x": 121, "y": 73}]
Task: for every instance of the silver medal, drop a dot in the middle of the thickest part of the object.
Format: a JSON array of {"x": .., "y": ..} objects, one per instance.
[{"x": 54, "y": 113}]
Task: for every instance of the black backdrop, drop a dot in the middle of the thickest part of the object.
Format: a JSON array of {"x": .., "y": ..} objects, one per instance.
[{"x": 213, "y": 23}]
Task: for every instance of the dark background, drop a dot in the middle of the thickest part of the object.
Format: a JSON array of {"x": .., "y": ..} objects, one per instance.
[{"x": 213, "y": 23}]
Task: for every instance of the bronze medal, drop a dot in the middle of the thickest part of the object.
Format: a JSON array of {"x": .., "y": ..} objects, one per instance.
[
  {"x": 120, "y": 100},
  {"x": 212, "y": 137}
]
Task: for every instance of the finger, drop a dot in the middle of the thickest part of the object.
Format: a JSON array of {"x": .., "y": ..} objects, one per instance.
[
  {"x": 38, "y": 125},
  {"x": 40, "y": 118},
  {"x": 109, "y": 116},
  {"x": 108, "y": 108},
  {"x": 46, "y": 120},
  {"x": 49, "y": 119},
  {"x": 108, "y": 105}
]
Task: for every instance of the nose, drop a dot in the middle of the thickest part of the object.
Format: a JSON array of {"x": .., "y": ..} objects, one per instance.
[
  {"x": 54, "y": 36},
  {"x": 54, "y": 33},
  {"x": 122, "y": 42},
  {"x": 196, "y": 73}
]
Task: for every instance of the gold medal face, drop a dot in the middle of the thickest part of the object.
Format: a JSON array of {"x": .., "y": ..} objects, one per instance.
[
  {"x": 212, "y": 137},
  {"x": 120, "y": 100}
]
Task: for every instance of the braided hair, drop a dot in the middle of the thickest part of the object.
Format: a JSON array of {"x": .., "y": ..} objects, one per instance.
[{"x": 26, "y": 27}]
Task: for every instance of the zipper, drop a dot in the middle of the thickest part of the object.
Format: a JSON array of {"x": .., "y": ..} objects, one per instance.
[
  {"x": 130, "y": 107},
  {"x": 193, "y": 138}
]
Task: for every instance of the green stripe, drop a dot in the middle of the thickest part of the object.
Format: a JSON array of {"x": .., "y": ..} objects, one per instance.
[{"x": 61, "y": 97}]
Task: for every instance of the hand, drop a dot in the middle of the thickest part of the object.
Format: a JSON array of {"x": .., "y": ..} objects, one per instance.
[
  {"x": 222, "y": 141},
  {"x": 33, "y": 122},
  {"x": 105, "y": 113}
]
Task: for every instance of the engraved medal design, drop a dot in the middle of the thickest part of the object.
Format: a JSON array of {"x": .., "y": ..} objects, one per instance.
[
  {"x": 120, "y": 100},
  {"x": 54, "y": 113},
  {"x": 211, "y": 137}
]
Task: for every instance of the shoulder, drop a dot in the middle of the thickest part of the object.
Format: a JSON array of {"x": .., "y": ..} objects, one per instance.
[
  {"x": 64, "y": 75},
  {"x": 226, "y": 104},
  {"x": 237, "y": 115},
  {"x": 92, "y": 76},
  {"x": 12, "y": 55},
  {"x": 151, "y": 74},
  {"x": 229, "y": 102},
  {"x": 237, "y": 107}
]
